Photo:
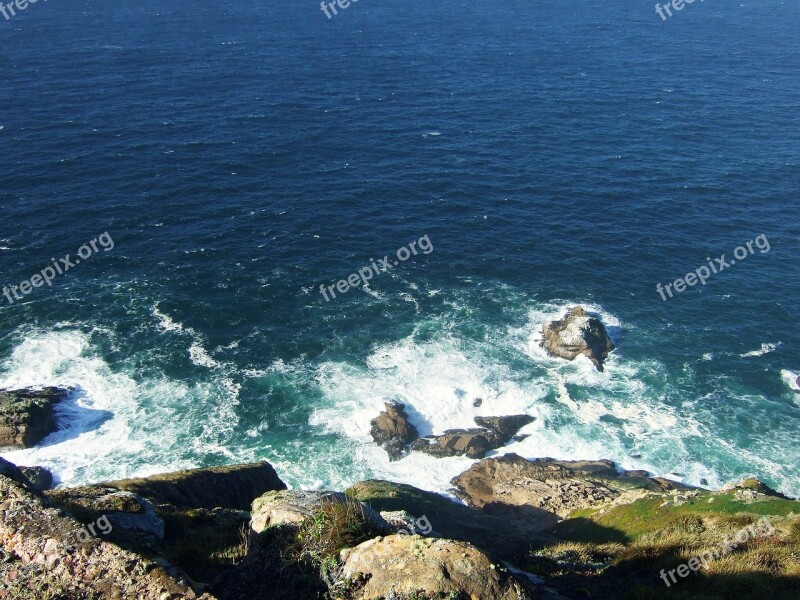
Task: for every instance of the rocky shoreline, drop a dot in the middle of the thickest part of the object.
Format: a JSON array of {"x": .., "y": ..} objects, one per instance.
[
  {"x": 238, "y": 532},
  {"x": 513, "y": 528}
]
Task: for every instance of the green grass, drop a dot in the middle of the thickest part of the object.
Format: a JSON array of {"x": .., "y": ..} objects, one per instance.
[
  {"x": 619, "y": 554},
  {"x": 628, "y": 522}
]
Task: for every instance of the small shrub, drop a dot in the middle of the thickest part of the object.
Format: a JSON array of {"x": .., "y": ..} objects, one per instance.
[{"x": 335, "y": 526}]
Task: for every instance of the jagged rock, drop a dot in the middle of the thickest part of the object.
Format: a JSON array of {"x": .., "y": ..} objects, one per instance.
[
  {"x": 15, "y": 474},
  {"x": 26, "y": 416},
  {"x": 392, "y": 430},
  {"x": 40, "y": 478},
  {"x": 507, "y": 538},
  {"x": 46, "y": 554},
  {"x": 124, "y": 510},
  {"x": 233, "y": 487},
  {"x": 577, "y": 333},
  {"x": 477, "y": 402},
  {"x": 472, "y": 443},
  {"x": 511, "y": 483},
  {"x": 290, "y": 507},
  {"x": 402, "y": 564},
  {"x": 506, "y": 427},
  {"x": 752, "y": 490}
]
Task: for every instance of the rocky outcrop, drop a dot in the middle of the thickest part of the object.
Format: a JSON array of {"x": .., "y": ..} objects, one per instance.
[
  {"x": 291, "y": 507},
  {"x": 510, "y": 483},
  {"x": 577, "y": 334},
  {"x": 232, "y": 487},
  {"x": 473, "y": 443},
  {"x": 506, "y": 427},
  {"x": 752, "y": 490},
  {"x": 40, "y": 478},
  {"x": 299, "y": 544},
  {"x": 26, "y": 416},
  {"x": 124, "y": 510},
  {"x": 438, "y": 516},
  {"x": 45, "y": 556},
  {"x": 392, "y": 430},
  {"x": 401, "y": 564},
  {"x": 15, "y": 474}
]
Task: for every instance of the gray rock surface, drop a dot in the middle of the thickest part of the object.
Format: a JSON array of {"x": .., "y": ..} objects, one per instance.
[{"x": 578, "y": 333}]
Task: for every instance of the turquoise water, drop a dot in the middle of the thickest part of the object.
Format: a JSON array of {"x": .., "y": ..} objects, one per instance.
[{"x": 239, "y": 158}]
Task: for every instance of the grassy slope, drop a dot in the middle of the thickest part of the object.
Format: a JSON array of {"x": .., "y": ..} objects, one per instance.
[{"x": 620, "y": 553}]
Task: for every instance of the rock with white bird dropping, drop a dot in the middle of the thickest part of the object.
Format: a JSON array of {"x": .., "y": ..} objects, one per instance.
[{"x": 578, "y": 333}]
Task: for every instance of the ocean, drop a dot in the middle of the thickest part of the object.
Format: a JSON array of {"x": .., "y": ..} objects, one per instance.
[{"x": 241, "y": 155}]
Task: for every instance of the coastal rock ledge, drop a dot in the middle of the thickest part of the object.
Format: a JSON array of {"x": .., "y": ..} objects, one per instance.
[
  {"x": 26, "y": 416},
  {"x": 578, "y": 333}
]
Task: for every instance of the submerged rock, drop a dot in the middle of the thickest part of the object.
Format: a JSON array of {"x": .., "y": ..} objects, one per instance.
[
  {"x": 402, "y": 564},
  {"x": 576, "y": 334},
  {"x": 392, "y": 430},
  {"x": 26, "y": 416}
]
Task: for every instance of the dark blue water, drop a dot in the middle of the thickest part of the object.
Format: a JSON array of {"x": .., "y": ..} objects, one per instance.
[{"x": 240, "y": 155}]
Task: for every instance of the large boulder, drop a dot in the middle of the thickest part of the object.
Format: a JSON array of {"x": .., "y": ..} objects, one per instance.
[
  {"x": 291, "y": 507},
  {"x": 26, "y": 416},
  {"x": 402, "y": 564},
  {"x": 234, "y": 487},
  {"x": 392, "y": 430},
  {"x": 578, "y": 333},
  {"x": 511, "y": 484}
]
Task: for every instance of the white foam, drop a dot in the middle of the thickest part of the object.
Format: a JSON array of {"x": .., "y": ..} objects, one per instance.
[
  {"x": 197, "y": 351},
  {"x": 437, "y": 381},
  {"x": 765, "y": 349},
  {"x": 792, "y": 379},
  {"x": 116, "y": 426},
  {"x": 165, "y": 321},
  {"x": 611, "y": 415},
  {"x": 200, "y": 356}
]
